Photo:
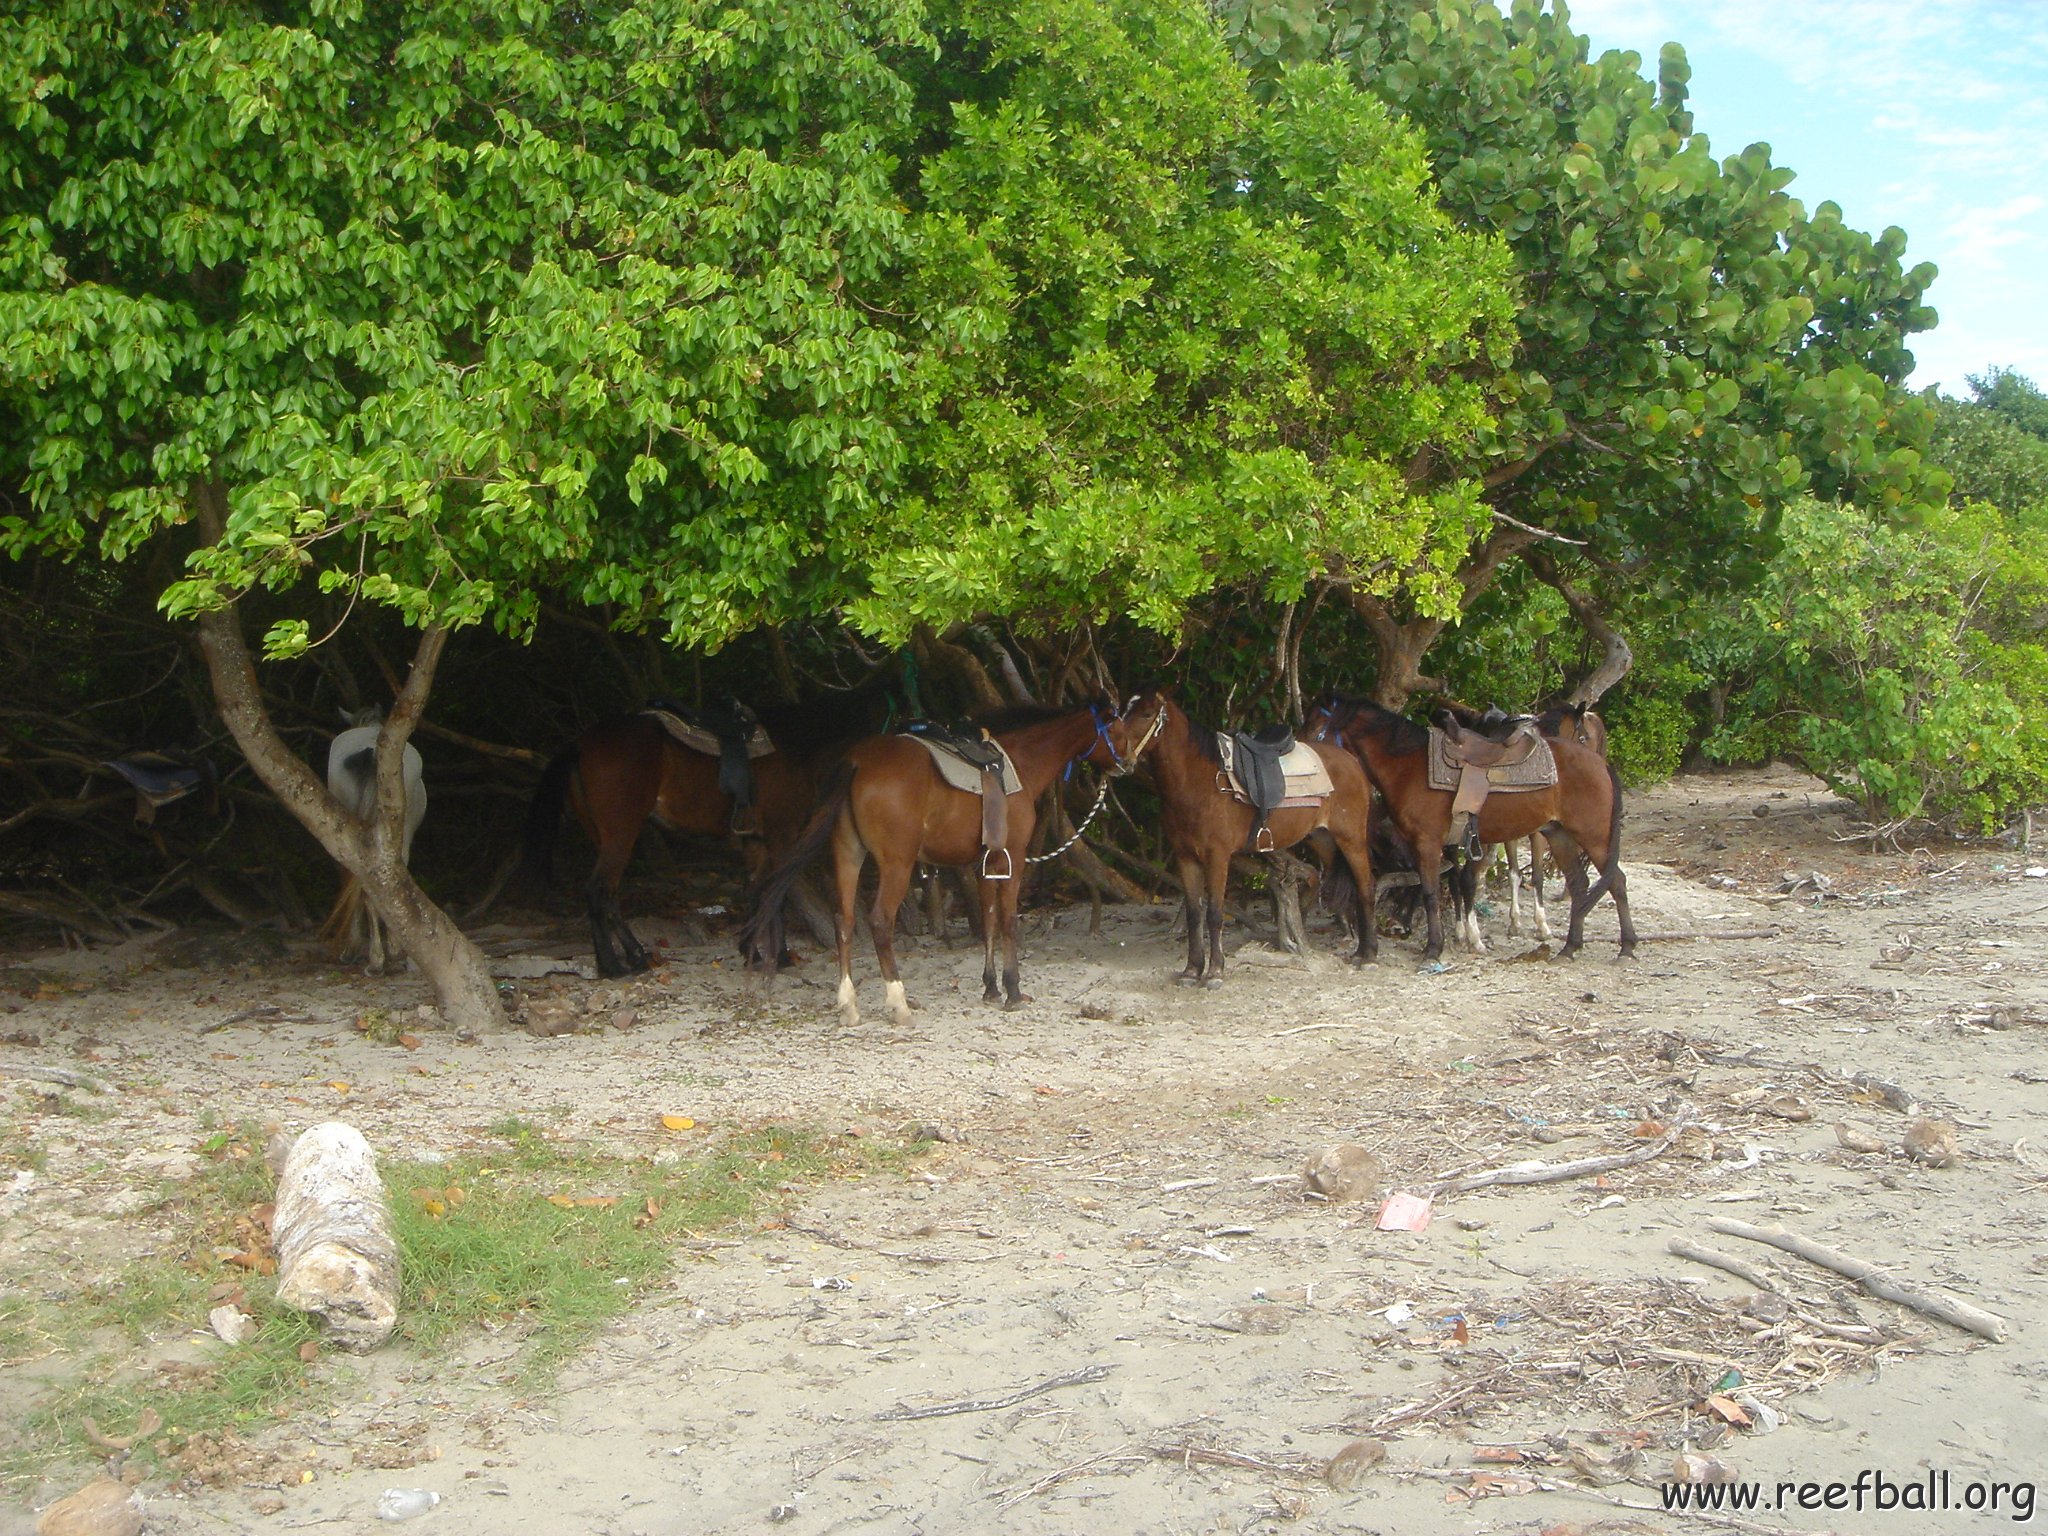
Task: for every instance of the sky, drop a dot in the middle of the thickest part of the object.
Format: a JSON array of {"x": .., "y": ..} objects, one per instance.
[{"x": 1928, "y": 114}]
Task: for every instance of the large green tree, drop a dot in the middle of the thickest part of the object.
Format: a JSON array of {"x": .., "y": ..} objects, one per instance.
[
  {"x": 1184, "y": 339},
  {"x": 1695, "y": 347},
  {"x": 427, "y": 306},
  {"x": 717, "y": 318}
]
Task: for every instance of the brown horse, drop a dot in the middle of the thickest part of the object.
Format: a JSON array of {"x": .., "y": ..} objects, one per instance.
[
  {"x": 888, "y": 800},
  {"x": 1205, "y": 825},
  {"x": 1581, "y": 813},
  {"x": 1576, "y": 722},
  {"x": 624, "y": 770}
]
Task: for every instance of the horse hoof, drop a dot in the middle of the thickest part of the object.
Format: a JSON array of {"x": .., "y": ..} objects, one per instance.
[
  {"x": 1212, "y": 983},
  {"x": 1011, "y": 1005},
  {"x": 1188, "y": 979},
  {"x": 1626, "y": 954},
  {"x": 1431, "y": 968}
]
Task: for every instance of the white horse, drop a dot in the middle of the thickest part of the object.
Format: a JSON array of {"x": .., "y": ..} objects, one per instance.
[{"x": 352, "y": 780}]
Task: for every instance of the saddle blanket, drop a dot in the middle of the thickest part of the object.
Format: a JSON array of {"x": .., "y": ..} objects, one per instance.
[
  {"x": 1308, "y": 781},
  {"x": 698, "y": 739},
  {"x": 1536, "y": 771},
  {"x": 961, "y": 774}
]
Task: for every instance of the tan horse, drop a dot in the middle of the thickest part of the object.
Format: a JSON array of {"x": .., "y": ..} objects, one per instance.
[
  {"x": 1204, "y": 826},
  {"x": 888, "y": 800},
  {"x": 1579, "y": 813}
]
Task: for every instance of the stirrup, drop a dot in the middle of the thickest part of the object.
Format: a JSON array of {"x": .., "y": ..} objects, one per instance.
[
  {"x": 1008, "y": 868},
  {"x": 1263, "y": 841}
]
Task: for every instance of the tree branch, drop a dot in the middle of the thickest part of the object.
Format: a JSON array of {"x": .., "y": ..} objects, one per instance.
[{"x": 1615, "y": 656}]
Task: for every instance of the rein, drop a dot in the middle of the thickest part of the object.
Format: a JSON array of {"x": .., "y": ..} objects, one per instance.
[{"x": 1123, "y": 767}]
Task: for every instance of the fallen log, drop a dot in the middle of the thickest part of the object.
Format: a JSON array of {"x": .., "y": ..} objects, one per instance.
[
  {"x": 336, "y": 1257},
  {"x": 1551, "y": 1173},
  {"x": 1871, "y": 1277},
  {"x": 1714, "y": 1258}
]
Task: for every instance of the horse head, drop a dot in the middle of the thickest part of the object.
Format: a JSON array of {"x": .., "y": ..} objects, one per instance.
[{"x": 1122, "y": 736}]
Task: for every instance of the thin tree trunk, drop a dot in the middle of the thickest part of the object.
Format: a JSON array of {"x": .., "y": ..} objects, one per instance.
[
  {"x": 454, "y": 967},
  {"x": 1615, "y": 656}
]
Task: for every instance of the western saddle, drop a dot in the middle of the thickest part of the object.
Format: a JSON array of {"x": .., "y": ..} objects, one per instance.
[
  {"x": 982, "y": 754},
  {"x": 1505, "y": 741}
]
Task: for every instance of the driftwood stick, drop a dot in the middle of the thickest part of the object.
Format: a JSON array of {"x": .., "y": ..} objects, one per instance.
[
  {"x": 1675, "y": 935},
  {"x": 64, "y": 1075},
  {"x": 1299, "y": 1466},
  {"x": 1871, "y": 1277},
  {"x": 1551, "y": 1173},
  {"x": 1714, "y": 1258},
  {"x": 1086, "y": 1374}
]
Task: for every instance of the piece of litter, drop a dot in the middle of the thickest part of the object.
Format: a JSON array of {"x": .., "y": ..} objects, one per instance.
[
  {"x": 1399, "y": 1314},
  {"x": 831, "y": 1283},
  {"x": 1403, "y": 1212}
]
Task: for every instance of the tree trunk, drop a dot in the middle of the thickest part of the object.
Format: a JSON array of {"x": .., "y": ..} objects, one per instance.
[
  {"x": 1404, "y": 642},
  {"x": 454, "y": 967},
  {"x": 946, "y": 661},
  {"x": 1615, "y": 656}
]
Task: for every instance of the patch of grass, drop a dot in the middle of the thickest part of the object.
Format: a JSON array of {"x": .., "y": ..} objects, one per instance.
[
  {"x": 561, "y": 1239},
  {"x": 550, "y": 1237}
]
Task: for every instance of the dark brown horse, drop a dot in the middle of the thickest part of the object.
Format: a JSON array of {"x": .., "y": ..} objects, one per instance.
[
  {"x": 1205, "y": 825},
  {"x": 1581, "y": 813},
  {"x": 1575, "y": 722},
  {"x": 622, "y": 771},
  {"x": 888, "y": 800}
]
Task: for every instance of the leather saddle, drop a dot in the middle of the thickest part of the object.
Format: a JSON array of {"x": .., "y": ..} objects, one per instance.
[
  {"x": 160, "y": 779},
  {"x": 1502, "y": 741},
  {"x": 1257, "y": 756},
  {"x": 737, "y": 730},
  {"x": 982, "y": 754}
]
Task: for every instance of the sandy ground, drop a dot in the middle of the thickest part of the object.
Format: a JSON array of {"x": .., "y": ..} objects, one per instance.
[{"x": 1117, "y": 1202}]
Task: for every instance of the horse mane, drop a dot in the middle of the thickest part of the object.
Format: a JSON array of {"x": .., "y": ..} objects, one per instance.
[
  {"x": 1552, "y": 720},
  {"x": 1396, "y": 732},
  {"x": 828, "y": 718},
  {"x": 1017, "y": 717},
  {"x": 1204, "y": 739}
]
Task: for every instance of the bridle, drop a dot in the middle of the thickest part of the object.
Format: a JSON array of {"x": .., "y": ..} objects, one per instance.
[{"x": 1123, "y": 767}]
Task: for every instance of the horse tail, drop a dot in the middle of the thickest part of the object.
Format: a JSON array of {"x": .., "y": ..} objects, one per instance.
[
  {"x": 1340, "y": 889},
  {"x": 761, "y": 935},
  {"x": 544, "y": 815}
]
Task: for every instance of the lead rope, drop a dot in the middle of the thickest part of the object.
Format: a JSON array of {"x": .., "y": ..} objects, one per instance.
[
  {"x": 1101, "y": 798},
  {"x": 1102, "y": 794}
]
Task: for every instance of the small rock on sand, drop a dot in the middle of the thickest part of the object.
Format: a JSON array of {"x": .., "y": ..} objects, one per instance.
[
  {"x": 1344, "y": 1172},
  {"x": 1350, "y": 1467},
  {"x": 101, "y": 1508},
  {"x": 1932, "y": 1142}
]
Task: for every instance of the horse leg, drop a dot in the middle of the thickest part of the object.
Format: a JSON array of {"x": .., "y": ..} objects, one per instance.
[
  {"x": 1465, "y": 885},
  {"x": 847, "y": 858},
  {"x": 1429, "y": 860},
  {"x": 1507, "y": 853},
  {"x": 1536, "y": 887},
  {"x": 1007, "y": 896},
  {"x": 1219, "y": 884},
  {"x": 890, "y": 889},
  {"x": 1356, "y": 853},
  {"x": 1191, "y": 886},
  {"x": 989, "y": 903},
  {"x": 1573, "y": 865},
  {"x": 1619, "y": 890},
  {"x": 373, "y": 940}
]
